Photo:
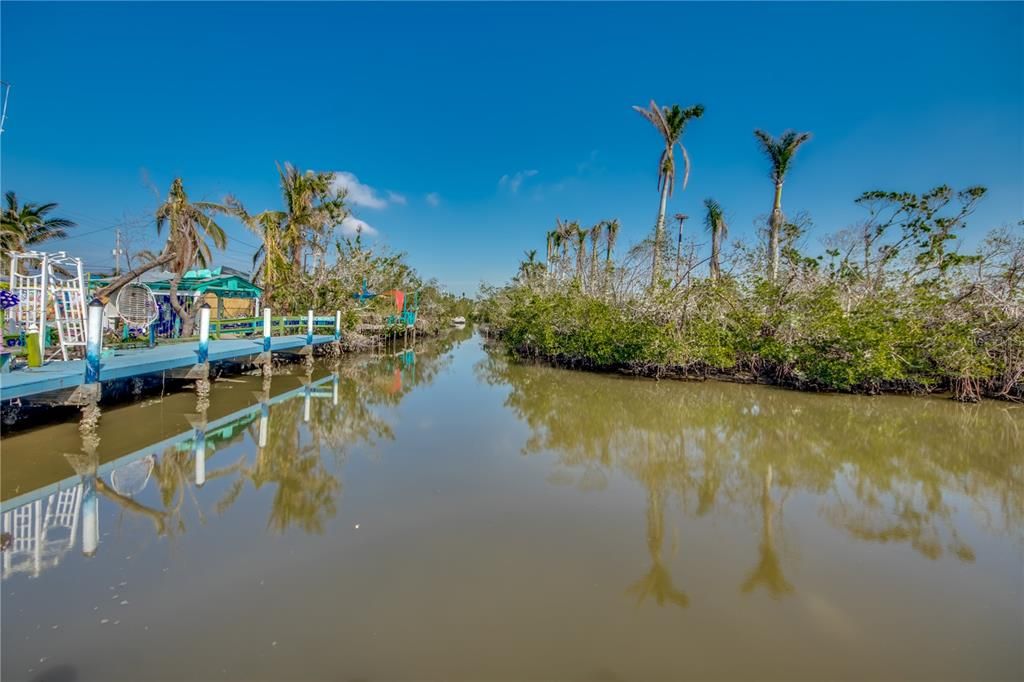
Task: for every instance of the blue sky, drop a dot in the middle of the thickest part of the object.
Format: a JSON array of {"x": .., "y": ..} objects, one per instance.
[{"x": 436, "y": 103}]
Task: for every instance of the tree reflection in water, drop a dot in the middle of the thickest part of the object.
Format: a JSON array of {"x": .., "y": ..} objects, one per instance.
[
  {"x": 882, "y": 469},
  {"x": 291, "y": 453}
]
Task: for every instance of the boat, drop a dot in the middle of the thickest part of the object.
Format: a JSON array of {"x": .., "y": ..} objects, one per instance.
[{"x": 459, "y": 321}]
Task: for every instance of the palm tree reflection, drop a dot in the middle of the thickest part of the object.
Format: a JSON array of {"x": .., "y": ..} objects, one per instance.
[{"x": 882, "y": 470}]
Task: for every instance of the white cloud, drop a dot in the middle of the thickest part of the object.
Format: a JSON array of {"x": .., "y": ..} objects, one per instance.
[
  {"x": 513, "y": 182},
  {"x": 434, "y": 199},
  {"x": 358, "y": 194},
  {"x": 352, "y": 226}
]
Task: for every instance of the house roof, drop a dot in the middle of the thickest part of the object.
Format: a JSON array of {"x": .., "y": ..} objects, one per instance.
[{"x": 223, "y": 282}]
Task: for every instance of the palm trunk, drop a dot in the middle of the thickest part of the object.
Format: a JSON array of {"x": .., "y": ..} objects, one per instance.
[
  {"x": 659, "y": 236},
  {"x": 112, "y": 288},
  {"x": 679, "y": 250},
  {"x": 186, "y": 319},
  {"x": 774, "y": 227},
  {"x": 716, "y": 269}
]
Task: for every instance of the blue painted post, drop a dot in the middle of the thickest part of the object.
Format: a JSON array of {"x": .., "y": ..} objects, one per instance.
[
  {"x": 266, "y": 330},
  {"x": 152, "y": 335},
  {"x": 309, "y": 328},
  {"x": 337, "y": 325},
  {"x": 204, "y": 333},
  {"x": 93, "y": 341}
]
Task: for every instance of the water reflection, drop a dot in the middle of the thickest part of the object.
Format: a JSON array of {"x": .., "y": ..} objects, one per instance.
[
  {"x": 880, "y": 470},
  {"x": 296, "y": 437}
]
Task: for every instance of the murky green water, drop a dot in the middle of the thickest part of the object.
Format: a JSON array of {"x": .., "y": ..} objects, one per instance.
[{"x": 445, "y": 514}]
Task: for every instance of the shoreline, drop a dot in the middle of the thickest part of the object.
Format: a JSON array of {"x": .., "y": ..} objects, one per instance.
[{"x": 697, "y": 374}]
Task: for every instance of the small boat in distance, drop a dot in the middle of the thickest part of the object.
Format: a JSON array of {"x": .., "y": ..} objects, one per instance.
[{"x": 459, "y": 321}]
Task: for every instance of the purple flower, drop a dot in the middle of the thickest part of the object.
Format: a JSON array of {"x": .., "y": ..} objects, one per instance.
[{"x": 7, "y": 299}]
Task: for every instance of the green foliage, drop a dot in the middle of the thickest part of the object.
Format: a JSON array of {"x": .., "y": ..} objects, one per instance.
[{"x": 914, "y": 315}]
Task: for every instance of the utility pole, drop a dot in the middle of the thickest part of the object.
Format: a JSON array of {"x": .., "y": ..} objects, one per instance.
[{"x": 117, "y": 253}]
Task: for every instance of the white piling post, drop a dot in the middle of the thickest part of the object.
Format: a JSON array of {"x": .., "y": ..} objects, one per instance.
[
  {"x": 204, "y": 333},
  {"x": 93, "y": 341},
  {"x": 90, "y": 517},
  {"x": 200, "y": 457},
  {"x": 309, "y": 328},
  {"x": 44, "y": 302},
  {"x": 337, "y": 325},
  {"x": 264, "y": 423},
  {"x": 266, "y": 330}
]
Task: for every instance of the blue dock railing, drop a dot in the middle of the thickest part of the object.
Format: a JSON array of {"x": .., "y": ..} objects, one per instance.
[{"x": 248, "y": 326}]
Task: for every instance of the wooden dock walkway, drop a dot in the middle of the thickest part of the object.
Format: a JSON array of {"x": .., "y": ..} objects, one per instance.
[{"x": 125, "y": 364}]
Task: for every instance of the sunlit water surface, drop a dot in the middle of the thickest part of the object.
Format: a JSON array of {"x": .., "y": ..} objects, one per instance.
[{"x": 447, "y": 514}]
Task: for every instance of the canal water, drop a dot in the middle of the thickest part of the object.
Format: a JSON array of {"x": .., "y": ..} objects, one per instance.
[{"x": 444, "y": 513}]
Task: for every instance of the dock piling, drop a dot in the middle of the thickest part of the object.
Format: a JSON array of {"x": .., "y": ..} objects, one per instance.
[
  {"x": 93, "y": 341},
  {"x": 337, "y": 325},
  {"x": 266, "y": 329},
  {"x": 309, "y": 328},
  {"x": 204, "y": 333}
]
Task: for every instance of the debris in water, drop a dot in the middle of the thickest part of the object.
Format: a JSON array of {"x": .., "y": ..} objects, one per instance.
[
  {"x": 124, "y": 602},
  {"x": 104, "y": 621},
  {"x": 357, "y": 526}
]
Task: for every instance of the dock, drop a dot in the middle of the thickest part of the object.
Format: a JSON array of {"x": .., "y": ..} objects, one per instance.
[{"x": 66, "y": 376}]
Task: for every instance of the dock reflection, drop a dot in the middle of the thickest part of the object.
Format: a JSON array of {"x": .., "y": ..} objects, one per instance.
[{"x": 290, "y": 433}]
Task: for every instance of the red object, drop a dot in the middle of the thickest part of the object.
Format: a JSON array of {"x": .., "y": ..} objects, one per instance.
[{"x": 399, "y": 299}]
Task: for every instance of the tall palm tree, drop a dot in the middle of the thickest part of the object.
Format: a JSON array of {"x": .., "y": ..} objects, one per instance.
[
  {"x": 313, "y": 208},
  {"x": 670, "y": 122},
  {"x": 715, "y": 222},
  {"x": 28, "y": 224},
  {"x": 580, "y": 236},
  {"x": 613, "y": 233},
  {"x": 595, "y": 237},
  {"x": 681, "y": 218},
  {"x": 189, "y": 227},
  {"x": 780, "y": 152}
]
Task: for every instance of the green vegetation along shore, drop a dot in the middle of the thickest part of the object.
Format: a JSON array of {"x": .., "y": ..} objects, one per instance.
[{"x": 894, "y": 303}]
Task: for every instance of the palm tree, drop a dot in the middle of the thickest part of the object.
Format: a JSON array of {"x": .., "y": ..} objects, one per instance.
[
  {"x": 29, "y": 224},
  {"x": 670, "y": 122},
  {"x": 613, "y": 233},
  {"x": 681, "y": 217},
  {"x": 189, "y": 227},
  {"x": 595, "y": 236},
  {"x": 581, "y": 250},
  {"x": 313, "y": 208},
  {"x": 528, "y": 267},
  {"x": 715, "y": 222},
  {"x": 780, "y": 152}
]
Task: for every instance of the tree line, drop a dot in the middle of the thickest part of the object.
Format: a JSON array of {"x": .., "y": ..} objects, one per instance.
[{"x": 893, "y": 303}]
